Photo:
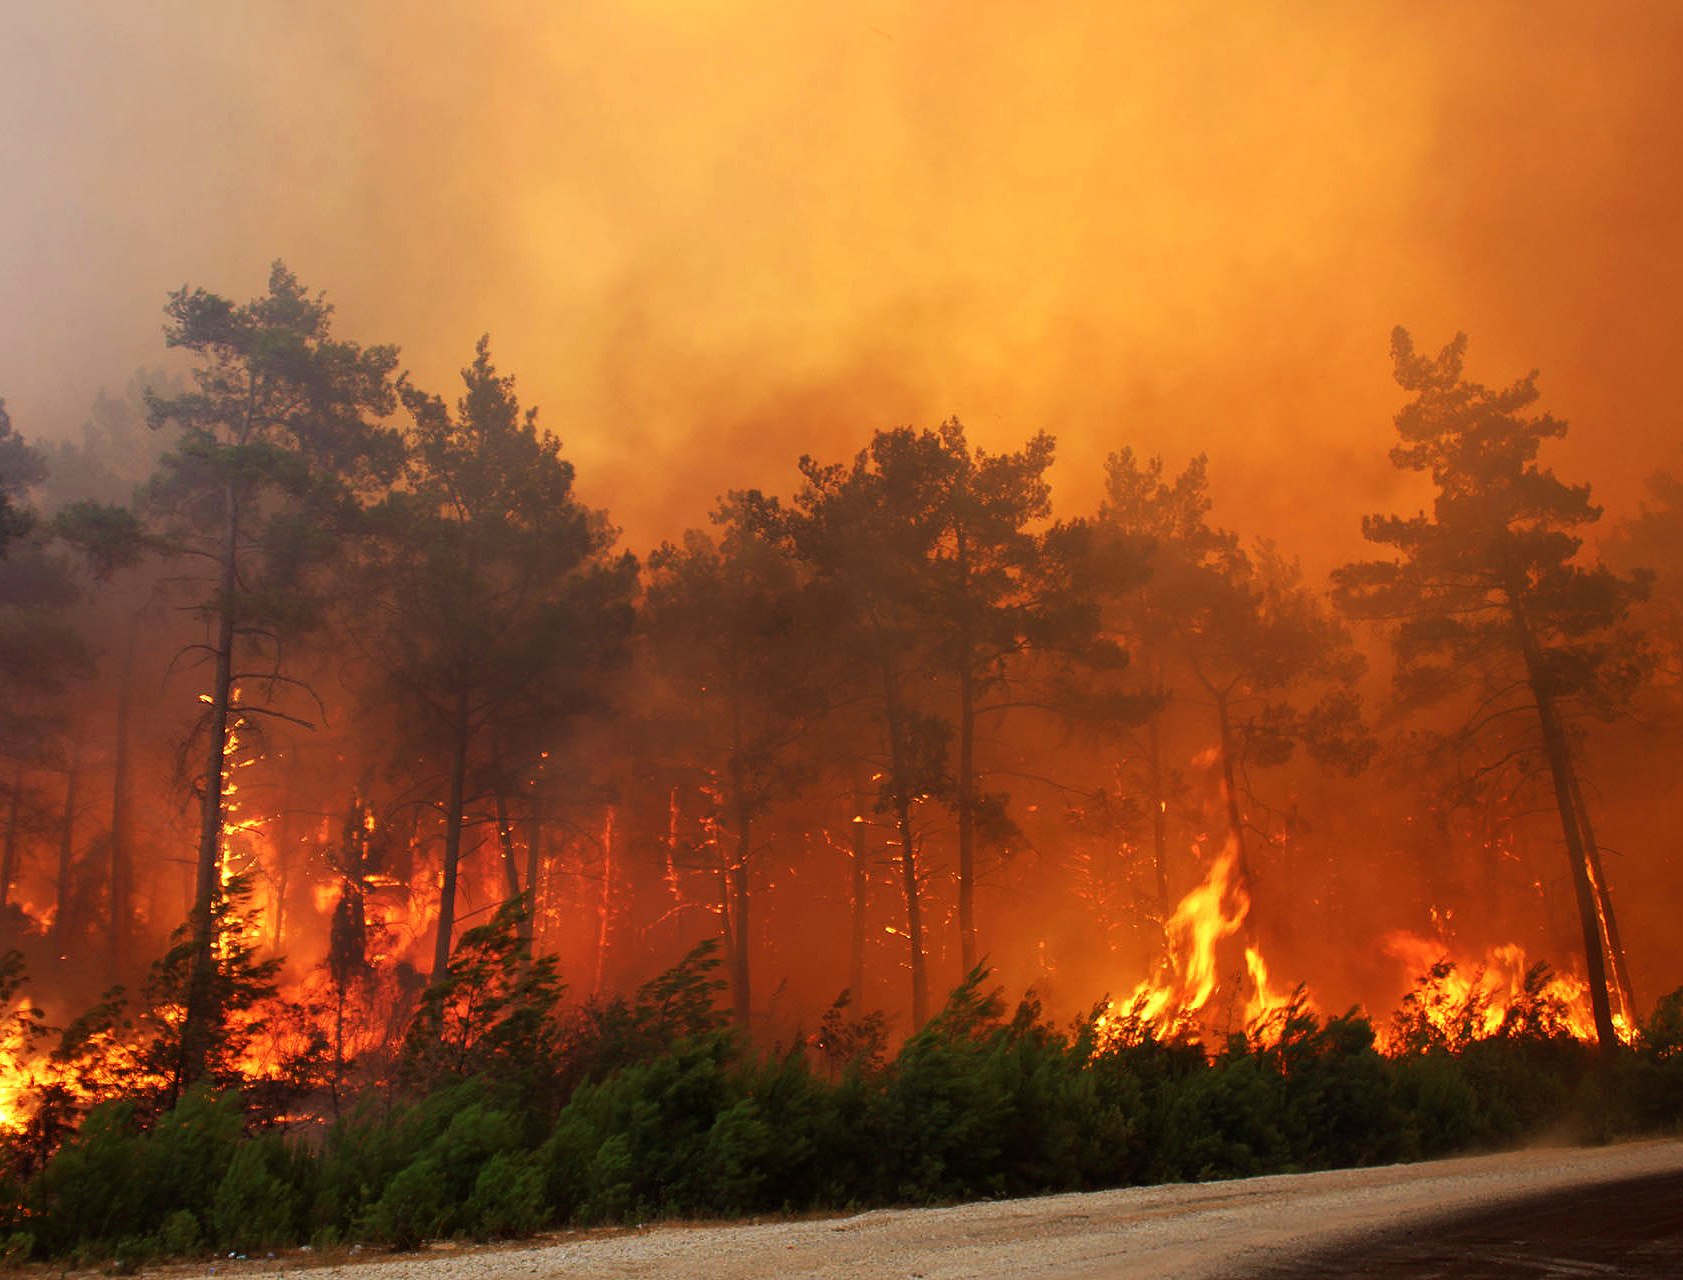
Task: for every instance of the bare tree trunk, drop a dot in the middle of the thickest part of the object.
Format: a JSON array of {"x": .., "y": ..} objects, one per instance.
[
  {"x": 1559, "y": 753},
  {"x": 967, "y": 814},
  {"x": 1236, "y": 968},
  {"x": 534, "y": 866},
  {"x": 453, "y": 819},
  {"x": 67, "y": 851},
  {"x": 736, "y": 875},
  {"x": 1230, "y": 795},
  {"x": 669, "y": 848},
  {"x": 898, "y": 766},
  {"x": 505, "y": 839},
  {"x": 61, "y": 917},
  {"x": 861, "y": 886},
  {"x": 604, "y": 915},
  {"x": 727, "y": 930},
  {"x": 505, "y": 832},
  {"x": 914, "y": 913},
  {"x": 207, "y": 879},
  {"x": 1159, "y": 818},
  {"x": 1604, "y": 908},
  {"x": 966, "y": 764},
  {"x": 285, "y": 845},
  {"x": 122, "y": 818},
  {"x": 9, "y": 856}
]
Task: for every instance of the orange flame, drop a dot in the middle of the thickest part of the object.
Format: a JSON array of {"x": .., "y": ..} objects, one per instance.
[
  {"x": 1469, "y": 996},
  {"x": 1173, "y": 999}
]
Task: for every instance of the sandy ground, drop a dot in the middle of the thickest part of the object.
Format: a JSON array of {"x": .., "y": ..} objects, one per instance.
[{"x": 1218, "y": 1229}]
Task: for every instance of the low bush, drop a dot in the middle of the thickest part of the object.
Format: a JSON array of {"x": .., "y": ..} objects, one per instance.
[{"x": 670, "y": 1114}]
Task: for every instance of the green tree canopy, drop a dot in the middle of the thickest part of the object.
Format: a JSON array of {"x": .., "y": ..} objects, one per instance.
[{"x": 492, "y": 601}]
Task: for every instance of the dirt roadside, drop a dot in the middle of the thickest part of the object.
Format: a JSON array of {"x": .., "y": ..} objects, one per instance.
[{"x": 1209, "y": 1230}]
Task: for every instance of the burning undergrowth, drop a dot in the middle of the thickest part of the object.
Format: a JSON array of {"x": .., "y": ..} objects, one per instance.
[{"x": 503, "y": 1108}]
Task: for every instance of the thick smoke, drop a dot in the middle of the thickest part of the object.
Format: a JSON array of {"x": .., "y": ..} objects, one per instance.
[{"x": 774, "y": 228}]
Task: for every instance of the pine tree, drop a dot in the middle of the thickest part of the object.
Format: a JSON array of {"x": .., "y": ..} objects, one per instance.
[
  {"x": 492, "y": 603},
  {"x": 1486, "y": 597},
  {"x": 729, "y": 638},
  {"x": 279, "y": 447}
]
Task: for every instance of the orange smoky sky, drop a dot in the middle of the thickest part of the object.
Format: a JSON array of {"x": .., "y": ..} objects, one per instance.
[{"x": 709, "y": 238}]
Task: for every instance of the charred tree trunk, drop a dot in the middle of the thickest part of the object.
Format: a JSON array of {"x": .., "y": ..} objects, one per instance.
[
  {"x": 207, "y": 880},
  {"x": 1604, "y": 904},
  {"x": 861, "y": 887},
  {"x": 1234, "y": 965},
  {"x": 534, "y": 868},
  {"x": 1230, "y": 795},
  {"x": 286, "y": 849},
  {"x": 67, "y": 851},
  {"x": 122, "y": 819},
  {"x": 736, "y": 876},
  {"x": 966, "y": 764},
  {"x": 505, "y": 827},
  {"x": 604, "y": 913},
  {"x": 1159, "y": 818},
  {"x": 914, "y": 911},
  {"x": 1559, "y": 753},
  {"x": 967, "y": 815},
  {"x": 9, "y": 854},
  {"x": 901, "y": 798},
  {"x": 727, "y": 930},
  {"x": 453, "y": 818}
]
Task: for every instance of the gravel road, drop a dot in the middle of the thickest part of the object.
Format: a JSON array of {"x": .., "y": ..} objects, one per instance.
[{"x": 1249, "y": 1227}]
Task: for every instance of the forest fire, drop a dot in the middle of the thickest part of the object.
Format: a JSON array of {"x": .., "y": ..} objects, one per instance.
[
  {"x": 601, "y": 766},
  {"x": 870, "y": 655},
  {"x": 420, "y": 816}
]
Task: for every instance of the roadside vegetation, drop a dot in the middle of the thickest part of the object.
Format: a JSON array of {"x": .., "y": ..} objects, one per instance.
[{"x": 510, "y": 1112}]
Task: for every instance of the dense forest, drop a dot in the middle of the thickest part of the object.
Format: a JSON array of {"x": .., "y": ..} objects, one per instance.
[{"x": 389, "y": 850}]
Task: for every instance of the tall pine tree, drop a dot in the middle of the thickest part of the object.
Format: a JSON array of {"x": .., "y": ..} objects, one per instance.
[{"x": 1486, "y": 597}]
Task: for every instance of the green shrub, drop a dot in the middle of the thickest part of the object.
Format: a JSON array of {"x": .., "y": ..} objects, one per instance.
[
  {"x": 115, "y": 1181},
  {"x": 1226, "y": 1122},
  {"x": 188, "y": 1153},
  {"x": 738, "y": 1156},
  {"x": 179, "y": 1235},
  {"x": 507, "y": 1199},
  {"x": 360, "y": 1154},
  {"x": 94, "y": 1188},
  {"x": 1339, "y": 1103},
  {"x": 411, "y": 1211},
  {"x": 474, "y": 1136},
  {"x": 1660, "y": 1038},
  {"x": 17, "y": 1248},
  {"x": 675, "y": 1116},
  {"x": 1439, "y": 1104},
  {"x": 256, "y": 1204},
  {"x": 943, "y": 1107}
]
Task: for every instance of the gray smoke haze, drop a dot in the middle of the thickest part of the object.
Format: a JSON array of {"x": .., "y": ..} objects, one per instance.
[{"x": 708, "y": 242}]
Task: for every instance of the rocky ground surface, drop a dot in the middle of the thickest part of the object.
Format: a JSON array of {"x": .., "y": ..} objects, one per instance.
[{"x": 1543, "y": 1212}]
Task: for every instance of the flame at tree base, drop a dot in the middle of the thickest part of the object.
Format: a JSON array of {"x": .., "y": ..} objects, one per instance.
[
  {"x": 1459, "y": 999},
  {"x": 1181, "y": 998},
  {"x": 1455, "y": 999}
]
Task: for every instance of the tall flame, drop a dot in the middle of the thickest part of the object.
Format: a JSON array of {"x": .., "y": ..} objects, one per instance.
[{"x": 1178, "y": 996}]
